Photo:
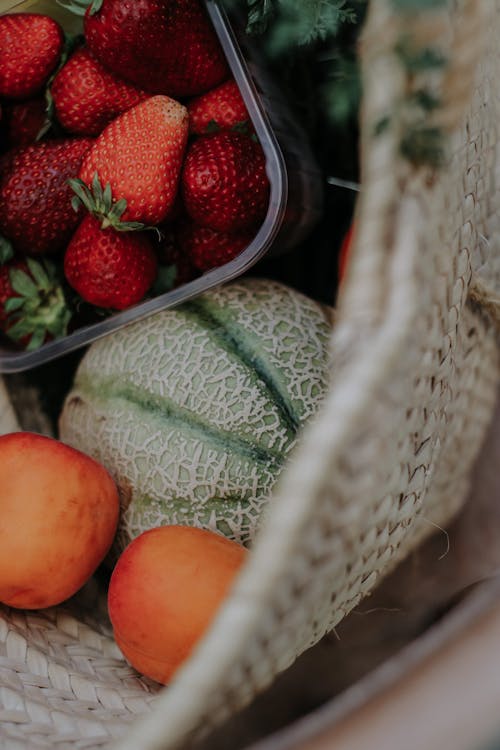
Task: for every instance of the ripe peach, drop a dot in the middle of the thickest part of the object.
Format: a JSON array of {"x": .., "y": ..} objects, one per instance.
[
  {"x": 58, "y": 516},
  {"x": 164, "y": 592}
]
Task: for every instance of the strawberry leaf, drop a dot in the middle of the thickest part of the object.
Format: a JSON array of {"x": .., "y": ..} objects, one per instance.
[
  {"x": 39, "y": 274},
  {"x": 42, "y": 310},
  {"x": 6, "y": 250},
  {"x": 36, "y": 340},
  {"x": 108, "y": 198},
  {"x": 77, "y": 7},
  {"x": 13, "y": 303},
  {"x": 165, "y": 279},
  {"x": 50, "y": 114},
  {"x": 83, "y": 194},
  {"x": 97, "y": 193},
  {"x": 76, "y": 203},
  {"x": 19, "y": 329},
  {"x": 59, "y": 325},
  {"x": 118, "y": 208},
  {"x": 100, "y": 204},
  {"x": 95, "y": 6},
  {"x": 243, "y": 126},
  {"x": 136, "y": 226},
  {"x": 212, "y": 127},
  {"x": 21, "y": 283}
]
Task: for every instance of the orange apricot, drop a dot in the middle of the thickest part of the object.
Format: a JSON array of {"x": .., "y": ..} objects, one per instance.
[
  {"x": 58, "y": 517},
  {"x": 164, "y": 593}
]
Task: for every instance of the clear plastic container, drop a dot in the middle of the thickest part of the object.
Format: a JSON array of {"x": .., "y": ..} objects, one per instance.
[{"x": 295, "y": 185}]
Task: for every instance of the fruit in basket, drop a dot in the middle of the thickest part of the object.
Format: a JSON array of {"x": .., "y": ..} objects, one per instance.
[
  {"x": 224, "y": 182},
  {"x": 59, "y": 516},
  {"x": 164, "y": 46},
  {"x": 140, "y": 155},
  {"x": 35, "y": 197},
  {"x": 30, "y": 48},
  {"x": 87, "y": 97},
  {"x": 208, "y": 249},
  {"x": 33, "y": 306},
  {"x": 107, "y": 268},
  {"x": 164, "y": 592},
  {"x": 222, "y": 108},
  {"x": 194, "y": 410},
  {"x": 170, "y": 255},
  {"x": 25, "y": 121}
]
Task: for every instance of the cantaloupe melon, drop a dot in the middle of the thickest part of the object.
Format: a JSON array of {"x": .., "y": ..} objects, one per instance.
[{"x": 195, "y": 410}]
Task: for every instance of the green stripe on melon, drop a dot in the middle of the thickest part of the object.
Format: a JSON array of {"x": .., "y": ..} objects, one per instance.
[{"x": 194, "y": 410}]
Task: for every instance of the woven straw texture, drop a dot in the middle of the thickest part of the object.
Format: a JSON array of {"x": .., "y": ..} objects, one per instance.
[{"x": 415, "y": 374}]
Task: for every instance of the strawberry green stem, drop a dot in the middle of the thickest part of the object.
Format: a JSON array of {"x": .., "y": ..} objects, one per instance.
[
  {"x": 80, "y": 7},
  {"x": 40, "y": 308},
  {"x": 99, "y": 202},
  {"x": 95, "y": 6},
  {"x": 6, "y": 250}
]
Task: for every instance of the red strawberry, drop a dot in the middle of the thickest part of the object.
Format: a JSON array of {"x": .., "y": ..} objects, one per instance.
[
  {"x": 87, "y": 96},
  {"x": 33, "y": 307},
  {"x": 30, "y": 48},
  {"x": 35, "y": 198},
  {"x": 224, "y": 182},
  {"x": 140, "y": 156},
  {"x": 207, "y": 249},
  {"x": 221, "y": 108},
  {"x": 6, "y": 161},
  {"x": 164, "y": 46},
  {"x": 109, "y": 268},
  {"x": 171, "y": 254},
  {"x": 24, "y": 121}
]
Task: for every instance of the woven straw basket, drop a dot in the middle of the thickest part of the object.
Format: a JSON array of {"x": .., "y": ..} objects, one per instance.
[{"x": 415, "y": 373}]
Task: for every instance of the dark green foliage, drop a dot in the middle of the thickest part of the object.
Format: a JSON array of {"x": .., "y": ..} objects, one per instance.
[
  {"x": 311, "y": 43},
  {"x": 341, "y": 90},
  {"x": 300, "y": 23},
  {"x": 295, "y": 22},
  {"x": 260, "y": 13},
  {"x": 310, "y": 46}
]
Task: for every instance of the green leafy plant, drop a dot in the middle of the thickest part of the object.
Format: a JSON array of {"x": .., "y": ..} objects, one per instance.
[
  {"x": 311, "y": 47},
  {"x": 296, "y": 22}
]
